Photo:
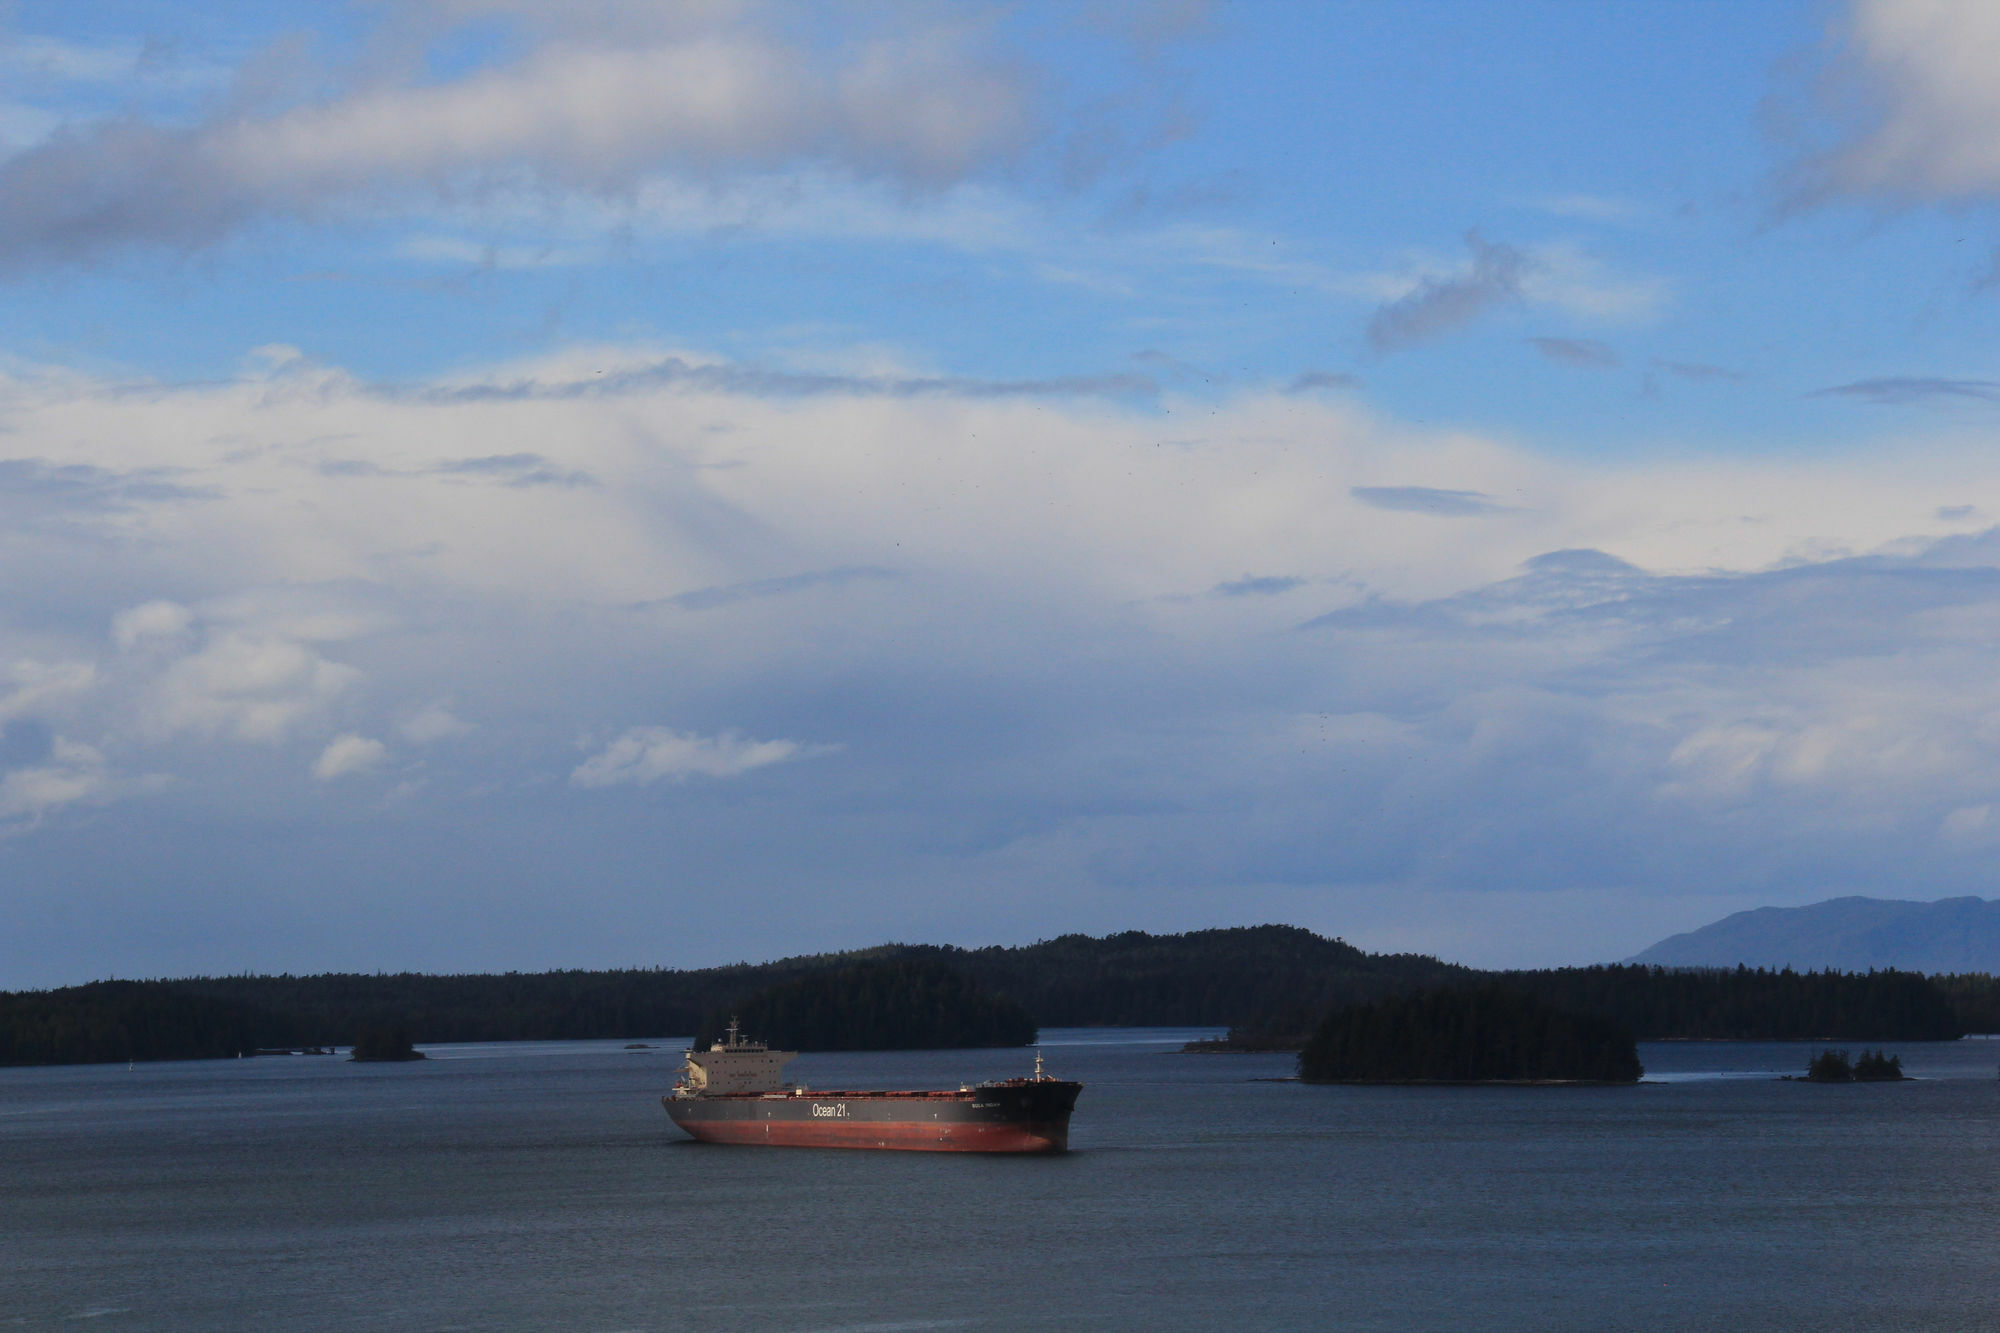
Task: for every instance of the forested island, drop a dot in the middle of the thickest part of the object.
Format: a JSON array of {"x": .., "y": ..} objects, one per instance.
[
  {"x": 1868, "y": 1067},
  {"x": 1201, "y": 978},
  {"x": 1752, "y": 1004},
  {"x": 1716, "y": 1004},
  {"x": 1489, "y": 1033},
  {"x": 384, "y": 1046},
  {"x": 1271, "y": 983}
]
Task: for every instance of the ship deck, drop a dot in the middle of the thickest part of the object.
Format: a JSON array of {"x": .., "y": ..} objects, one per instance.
[{"x": 881, "y": 1094}]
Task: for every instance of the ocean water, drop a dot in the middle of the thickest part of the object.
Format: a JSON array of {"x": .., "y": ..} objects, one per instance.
[{"x": 541, "y": 1186}]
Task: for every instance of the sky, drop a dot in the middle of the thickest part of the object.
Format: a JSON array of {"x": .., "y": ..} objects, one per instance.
[{"x": 500, "y": 485}]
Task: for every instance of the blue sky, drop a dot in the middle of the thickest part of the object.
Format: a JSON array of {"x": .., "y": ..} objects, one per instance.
[{"x": 510, "y": 485}]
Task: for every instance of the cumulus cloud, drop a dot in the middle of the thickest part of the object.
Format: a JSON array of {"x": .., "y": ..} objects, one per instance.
[
  {"x": 71, "y": 773},
  {"x": 579, "y": 111},
  {"x": 28, "y": 686},
  {"x": 432, "y": 723},
  {"x": 154, "y": 620},
  {"x": 1921, "y": 107},
  {"x": 647, "y": 754},
  {"x": 246, "y": 686},
  {"x": 1818, "y": 723},
  {"x": 348, "y": 755}
]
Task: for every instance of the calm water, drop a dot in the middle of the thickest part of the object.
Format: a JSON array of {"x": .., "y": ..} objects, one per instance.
[{"x": 540, "y": 1186}]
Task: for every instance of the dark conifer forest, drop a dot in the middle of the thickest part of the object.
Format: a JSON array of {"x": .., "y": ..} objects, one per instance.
[
  {"x": 385, "y": 1046},
  {"x": 901, "y": 1004},
  {"x": 1974, "y": 997},
  {"x": 1467, "y": 1034},
  {"x": 1657, "y": 1003},
  {"x": 127, "y": 1020},
  {"x": 1272, "y": 981}
]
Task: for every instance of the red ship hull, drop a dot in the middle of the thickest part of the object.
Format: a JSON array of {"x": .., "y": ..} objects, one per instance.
[{"x": 1019, "y": 1116}]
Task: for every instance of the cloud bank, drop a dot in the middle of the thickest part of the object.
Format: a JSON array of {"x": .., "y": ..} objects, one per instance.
[{"x": 1294, "y": 661}]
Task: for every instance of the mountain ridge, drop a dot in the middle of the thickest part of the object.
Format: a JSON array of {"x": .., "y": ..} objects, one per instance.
[{"x": 1852, "y": 934}]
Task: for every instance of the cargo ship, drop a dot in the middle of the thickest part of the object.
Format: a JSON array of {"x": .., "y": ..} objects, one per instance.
[{"x": 736, "y": 1092}]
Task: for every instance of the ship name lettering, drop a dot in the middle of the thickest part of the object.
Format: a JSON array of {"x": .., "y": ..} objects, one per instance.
[{"x": 838, "y": 1111}]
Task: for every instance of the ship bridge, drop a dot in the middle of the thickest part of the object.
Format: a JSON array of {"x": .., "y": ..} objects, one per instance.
[{"x": 735, "y": 1065}]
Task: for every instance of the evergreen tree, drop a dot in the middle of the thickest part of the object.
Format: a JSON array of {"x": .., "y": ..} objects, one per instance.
[
  {"x": 1482, "y": 1033},
  {"x": 902, "y": 1005}
]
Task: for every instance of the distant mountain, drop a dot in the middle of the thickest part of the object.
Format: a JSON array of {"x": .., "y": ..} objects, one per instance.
[{"x": 1851, "y": 934}]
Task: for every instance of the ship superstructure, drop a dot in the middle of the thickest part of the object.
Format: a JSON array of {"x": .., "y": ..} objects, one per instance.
[
  {"x": 735, "y": 1064},
  {"x": 736, "y": 1092}
]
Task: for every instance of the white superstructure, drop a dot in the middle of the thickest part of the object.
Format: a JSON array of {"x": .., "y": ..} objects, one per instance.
[{"x": 734, "y": 1065}]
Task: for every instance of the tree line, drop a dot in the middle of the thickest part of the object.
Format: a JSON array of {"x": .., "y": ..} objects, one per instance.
[
  {"x": 900, "y": 1004},
  {"x": 1974, "y": 997},
  {"x": 1208, "y": 977},
  {"x": 1492, "y": 1032},
  {"x": 1660, "y": 1003},
  {"x": 1262, "y": 979}
]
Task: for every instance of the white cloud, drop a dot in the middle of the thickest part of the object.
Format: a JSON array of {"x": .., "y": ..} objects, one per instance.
[
  {"x": 30, "y": 686},
  {"x": 347, "y": 755},
  {"x": 818, "y": 473},
  {"x": 647, "y": 754},
  {"x": 920, "y": 106},
  {"x": 154, "y": 620},
  {"x": 433, "y": 722},
  {"x": 72, "y": 773},
  {"x": 1925, "y": 106},
  {"x": 1017, "y": 636},
  {"x": 247, "y": 687},
  {"x": 1566, "y": 277}
]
